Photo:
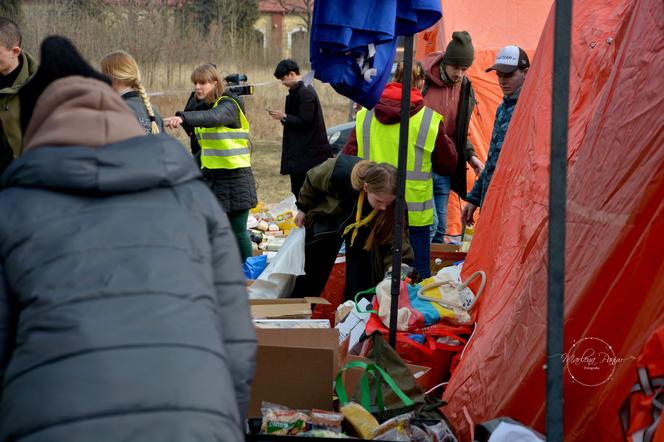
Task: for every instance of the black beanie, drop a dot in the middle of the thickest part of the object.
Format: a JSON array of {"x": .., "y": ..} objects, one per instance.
[
  {"x": 460, "y": 51},
  {"x": 59, "y": 59}
]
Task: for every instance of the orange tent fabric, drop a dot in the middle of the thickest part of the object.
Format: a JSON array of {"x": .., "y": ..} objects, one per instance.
[
  {"x": 615, "y": 231},
  {"x": 492, "y": 25}
]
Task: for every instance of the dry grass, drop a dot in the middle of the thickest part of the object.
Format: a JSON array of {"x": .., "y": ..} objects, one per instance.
[
  {"x": 167, "y": 59},
  {"x": 265, "y": 161}
]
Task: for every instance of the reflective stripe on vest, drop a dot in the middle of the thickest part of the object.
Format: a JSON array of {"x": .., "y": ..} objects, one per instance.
[
  {"x": 422, "y": 133},
  {"x": 223, "y": 147}
]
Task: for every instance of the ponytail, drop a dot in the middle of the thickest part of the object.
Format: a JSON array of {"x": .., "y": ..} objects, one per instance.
[{"x": 154, "y": 128}]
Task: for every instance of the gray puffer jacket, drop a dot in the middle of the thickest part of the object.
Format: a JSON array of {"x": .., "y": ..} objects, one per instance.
[{"x": 123, "y": 309}]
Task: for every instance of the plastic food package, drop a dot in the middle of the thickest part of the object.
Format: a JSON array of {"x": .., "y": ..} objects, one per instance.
[
  {"x": 281, "y": 420},
  {"x": 360, "y": 420},
  {"x": 325, "y": 420},
  {"x": 396, "y": 429},
  {"x": 284, "y": 208},
  {"x": 324, "y": 434}
]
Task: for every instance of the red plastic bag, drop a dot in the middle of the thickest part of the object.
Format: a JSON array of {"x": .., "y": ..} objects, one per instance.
[{"x": 421, "y": 346}]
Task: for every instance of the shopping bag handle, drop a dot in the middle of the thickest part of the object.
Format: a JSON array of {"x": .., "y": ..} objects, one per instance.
[
  {"x": 433, "y": 285},
  {"x": 378, "y": 373}
]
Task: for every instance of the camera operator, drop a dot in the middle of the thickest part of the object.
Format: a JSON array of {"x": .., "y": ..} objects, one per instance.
[{"x": 215, "y": 121}]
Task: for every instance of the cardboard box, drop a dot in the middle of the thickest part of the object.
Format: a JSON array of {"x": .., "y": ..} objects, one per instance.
[
  {"x": 295, "y": 367},
  {"x": 284, "y": 308},
  {"x": 448, "y": 254}
]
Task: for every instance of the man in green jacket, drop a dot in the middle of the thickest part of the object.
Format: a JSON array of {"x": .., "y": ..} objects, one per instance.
[{"x": 16, "y": 68}]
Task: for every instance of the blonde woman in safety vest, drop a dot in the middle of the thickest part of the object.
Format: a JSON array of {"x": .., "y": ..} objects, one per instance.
[
  {"x": 219, "y": 132},
  {"x": 376, "y": 138}
]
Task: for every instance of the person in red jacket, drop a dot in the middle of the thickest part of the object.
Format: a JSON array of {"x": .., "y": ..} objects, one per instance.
[
  {"x": 387, "y": 112},
  {"x": 448, "y": 90}
]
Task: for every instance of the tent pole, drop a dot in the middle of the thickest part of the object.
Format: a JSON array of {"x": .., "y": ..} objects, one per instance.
[
  {"x": 401, "y": 184},
  {"x": 557, "y": 204}
]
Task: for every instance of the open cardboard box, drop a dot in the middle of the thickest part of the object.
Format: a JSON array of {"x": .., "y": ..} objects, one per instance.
[
  {"x": 295, "y": 367},
  {"x": 284, "y": 308}
]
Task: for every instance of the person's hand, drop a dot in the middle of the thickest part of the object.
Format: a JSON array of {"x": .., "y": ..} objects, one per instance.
[
  {"x": 277, "y": 115},
  {"x": 476, "y": 164},
  {"x": 467, "y": 214},
  {"x": 173, "y": 122},
  {"x": 299, "y": 218}
]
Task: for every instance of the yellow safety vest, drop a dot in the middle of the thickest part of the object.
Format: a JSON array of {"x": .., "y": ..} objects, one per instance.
[
  {"x": 380, "y": 143},
  {"x": 223, "y": 147}
]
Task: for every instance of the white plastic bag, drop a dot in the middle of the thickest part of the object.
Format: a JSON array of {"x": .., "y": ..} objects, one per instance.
[{"x": 278, "y": 278}]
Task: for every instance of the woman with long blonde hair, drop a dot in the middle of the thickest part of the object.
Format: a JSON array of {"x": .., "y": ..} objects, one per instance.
[
  {"x": 125, "y": 76},
  {"x": 215, "y": 121}
]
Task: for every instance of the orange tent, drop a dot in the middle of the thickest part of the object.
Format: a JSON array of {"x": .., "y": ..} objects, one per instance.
[
  {"x": 492, "y": 25},
  {"x": 614, "y": 285}
]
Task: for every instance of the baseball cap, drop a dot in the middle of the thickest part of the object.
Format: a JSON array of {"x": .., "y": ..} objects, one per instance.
[{"x": 509, "y": 59}]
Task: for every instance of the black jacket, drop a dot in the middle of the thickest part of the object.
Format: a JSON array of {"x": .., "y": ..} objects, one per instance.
[
  {"x": 330, "y": 202},
  {"x": 305, "y": 138},
  {"x": 123, "y": 309},
  {"x": 235, "y": 189}
]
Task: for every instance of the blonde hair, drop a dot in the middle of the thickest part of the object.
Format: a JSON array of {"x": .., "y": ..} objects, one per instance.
[
  {"x": 122, "y": 67},
  {"x": 379, "y": 178},
  {"x": 417, "y": 74},
  {"x": 208, "y": 73}
]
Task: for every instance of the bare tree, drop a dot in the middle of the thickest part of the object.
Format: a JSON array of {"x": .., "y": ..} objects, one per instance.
[
  {"x": 11, "y": 9},
  {"x": 303, "y": 9}
]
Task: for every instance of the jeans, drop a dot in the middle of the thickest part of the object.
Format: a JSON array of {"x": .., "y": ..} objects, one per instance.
[
  {"x": 441, "y": 194},
  {"x": 419, "y": 241}
]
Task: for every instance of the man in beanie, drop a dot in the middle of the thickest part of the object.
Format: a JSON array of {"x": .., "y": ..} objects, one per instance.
[
  {"x": 448, "y": 91},
  {"x": 511, "y": 66},
  {"x": 123, "y": 309},
  {"x": 304, "y": 143},
  {"x": 16, "y": 68}
]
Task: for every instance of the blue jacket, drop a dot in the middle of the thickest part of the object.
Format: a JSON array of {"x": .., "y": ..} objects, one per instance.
[{"x": 500, "y": 126}]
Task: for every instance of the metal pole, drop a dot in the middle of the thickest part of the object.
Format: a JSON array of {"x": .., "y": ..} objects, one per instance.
[
  {"x": 401, "y": 185},
  {"x": 557, "y": 203}
]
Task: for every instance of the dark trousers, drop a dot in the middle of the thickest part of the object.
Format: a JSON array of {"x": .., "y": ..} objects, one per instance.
[
  {"x": 296, "y": 182},
  {"x": 320, "y": 253}
]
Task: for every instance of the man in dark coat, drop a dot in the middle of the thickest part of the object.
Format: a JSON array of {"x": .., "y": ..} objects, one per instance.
[
  {"x": 305, "y": 142},
  {"x": 123, "y": 309}
]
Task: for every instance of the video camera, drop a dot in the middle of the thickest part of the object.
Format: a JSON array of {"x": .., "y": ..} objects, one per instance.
[{"x": 237, "y": 83}]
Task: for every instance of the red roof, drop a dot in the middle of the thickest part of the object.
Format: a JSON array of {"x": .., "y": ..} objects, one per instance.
[{"x": 272, "y": 6}]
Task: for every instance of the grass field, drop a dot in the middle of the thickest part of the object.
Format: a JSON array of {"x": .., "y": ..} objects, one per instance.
[{"x": 270, "y": 185}]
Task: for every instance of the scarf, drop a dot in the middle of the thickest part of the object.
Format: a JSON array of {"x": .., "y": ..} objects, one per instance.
[{"x": 359, "y": 222}]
